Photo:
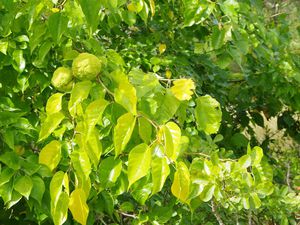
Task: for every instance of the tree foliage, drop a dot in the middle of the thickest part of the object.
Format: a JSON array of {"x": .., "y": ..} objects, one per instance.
[{"x": 145, "y": 112}]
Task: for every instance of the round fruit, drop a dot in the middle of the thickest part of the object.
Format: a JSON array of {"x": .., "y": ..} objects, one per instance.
[
  {"x": 62, "y": 76},
  {"x": 86, "y": 66}
]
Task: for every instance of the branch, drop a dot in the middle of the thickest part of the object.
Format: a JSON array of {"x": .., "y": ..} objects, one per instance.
[{"x": 216, "y": 214}]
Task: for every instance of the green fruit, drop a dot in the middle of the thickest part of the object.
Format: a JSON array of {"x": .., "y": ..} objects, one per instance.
[
  {"x": 62, "y": 76},
  {"x": 67, "y": 88},
  {"x": 86, "y": 66}
]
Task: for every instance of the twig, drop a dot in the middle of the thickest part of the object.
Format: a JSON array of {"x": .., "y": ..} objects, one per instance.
[
  {"x": 207, "y": 156},
  {"x": 216, "y": 214},
  {"x": 288, "y": 175},
  {"x": 128, "y": 215},
  {"x": 250, "y": 218}
]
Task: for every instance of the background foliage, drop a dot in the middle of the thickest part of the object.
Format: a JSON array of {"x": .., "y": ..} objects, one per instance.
[{"x": 164, "y": 135}]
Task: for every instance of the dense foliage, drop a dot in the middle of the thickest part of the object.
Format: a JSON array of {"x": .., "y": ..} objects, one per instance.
[{"x": 147, "y": 112}]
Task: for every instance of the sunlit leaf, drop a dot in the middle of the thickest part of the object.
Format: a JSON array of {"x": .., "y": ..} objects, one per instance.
[
  {"x": 50, "y": 155},
  {"x": 182, "y": 89},
  {"x": 50, "y": 124},
  {"x": 181, "y": 184},
  {"x": 78, "y": 206},
  {"x": 160, "y": 171}
]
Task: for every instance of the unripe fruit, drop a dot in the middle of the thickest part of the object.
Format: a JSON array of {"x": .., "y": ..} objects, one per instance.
[
  {"x": 86, "y": 66},
  {"x": 62, "y": 76}
]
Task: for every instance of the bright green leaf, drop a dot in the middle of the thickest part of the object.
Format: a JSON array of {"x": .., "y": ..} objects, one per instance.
[
  {"x": 160, "y": 171},
  {"x": 54, "y": 103},
  {"x": 50, "y": 124},
  {"x": 139, "y": 161},
  {"x": 78, "y": 206},
  {"x": 38, "y": 189},
  {"x": 208, "y": 114},
  {"x": 181, "y": 184},
  {"x": 23, "y": 185},
  {"x": 109, "y": 171},
  {"x": 123, "y": 131},
  {"x": 125, "y": 95},
  {"x": 50, "y": 155}
]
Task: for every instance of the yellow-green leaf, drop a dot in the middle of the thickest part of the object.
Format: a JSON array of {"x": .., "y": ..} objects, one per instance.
[
  {"x": 160, "y": 171},
  {"x": 123, "y": 131},
  {"x": 79, "y": 92},
  {"x": 145, "y": 129},
  {"x": 125, "y": 95},
  {"x": 94, "y": 147},
  {"x": 139, "y": 161},
  {"x": 152, "y": 7},
  {"x": 50, "y": 155},
  {"x": 181, "y": 183},
  {"x": 50, "y": 124},
  {"x": 54, "y": 103},
  {"x": 56, "y": 185},
  {"x": 78, "y": 206},
  {"x": 176, "y": 139},
  {"x": 93, "y": 113},
  {"x": 208, "y": 114},
  {"x": 23, "y": 185},
  {"x": 59, "y": 212},
  {"x": 182, "y": 89}
]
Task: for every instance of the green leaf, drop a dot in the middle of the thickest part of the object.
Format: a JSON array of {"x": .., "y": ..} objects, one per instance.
[
  {"x": 174, "y": 142},
  {"x": 91, "y": 9},
  {"x": 5, "y": 175},
  {"x": 181, "y": 184},
  {"x": 93, "y": 113},
  {"x": 254, "y": 201},
  {"x": 3, "y": 46},
  {"x": 145, "y": 129},
  {"x": 23, "y": 185},
  {"x": 94, "y": 147},
  {"x": 56, "y": 186},
  {"x": 265, "y": 188},
  {"x": 123, "y": 131},
  {"x": 38, "y": 189},
  {"x": 78, "y": 206},
  {"x": 125, "y": 95},
  {"x": 59, "y": 212},
  {"x": 54, "y": 103},
  {"x": 160, "y": 171},
  {"x": 50, "y": 155},
  {"x": 50, "y": 124},
  {"x": 208, "y": 114},
  {"x": 217, "y": 37},
  {"x": 256, "y": 155},
  {"x": 11, "y": 159},
  {"x": 19, "y": 61},
  {"x": 207, "y": 193},
  {"x": 79, "y": 92},
  {"x": 81, "y": 163},
  {"x": 245, "y": 161},
  {"x": 57, "y": 25},
  {"x": 15, "y": 198},
  {"x": 139, "y": 161},
  {"x": 109, "y": 171}
]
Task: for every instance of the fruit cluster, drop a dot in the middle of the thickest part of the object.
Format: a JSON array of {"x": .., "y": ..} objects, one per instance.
[{"x": 84, "y": 67}]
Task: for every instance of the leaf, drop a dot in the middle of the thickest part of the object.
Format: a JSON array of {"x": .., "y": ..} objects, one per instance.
[
  {"x": 256, "y": 155},
  {"x": 94, "y": 147},
  {"x": 93, "y": 113},
  {"x": 254, "y": 201},
  {"x": 174, "y": 141},
  {"x": 109, "y": 171},
  {"x": 78, "y": 206},
  {"x": 207, "y": 193},
  {"x": 5, "y": 175},
  {"x": 160, "y": 171},
  {"x": 245, "y": 161},
  {"x": 145, "y": 129},
  {"x": 19, "y": 61},
  {"x": 81, "y": 163},
  {"x": 57, "y": 25},
  {"x": 54, "y": 104},
  {"x": 217, "y": 37},
  {"x": 79, "y": 92},
  {"x": 162, "y": 48},
  {"x": 15, "y": 198},
  {"x": 56, "y": 186},
  {"x": 123, "y": 131},
  {"x": 91, "y": 9},
  {"x": 139, "y": 161},
  {"x": 50, "y": 124},
  {"x": 182, "y": 89},
  {"x": 38, "y": 189},
  {"x": 265, "y": 188},
  {"x": 181, "y": 184},
  {"x": 11, "y": 159},
  {"x": 152, "y": 7},
  {"x": 60, "y": 211},
  {"x": 23, "y": 185},
  {"x": 125, "y": 95},
  {"x": 50, "y": 155},
  {"x": 3, "y": 46},
  {"x": 167, "y": 107},
  {"x": 208, "y": 114}
]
